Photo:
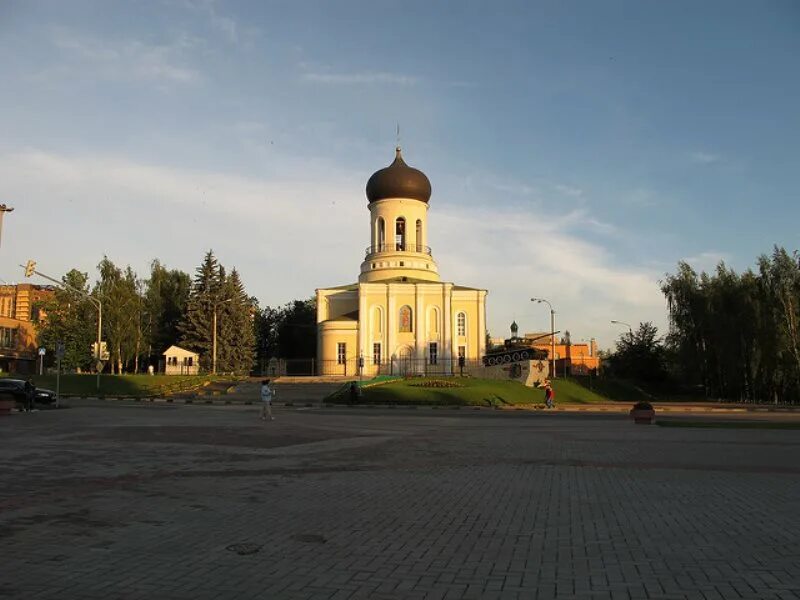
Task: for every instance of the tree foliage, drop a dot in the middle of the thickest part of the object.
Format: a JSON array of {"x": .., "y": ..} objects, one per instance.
[
  {"x": 69, "y": 318},
  {"x": 216, "y": 294},
  {"x": 737, "y": 334},
  {"x": 639, "y": 355}
]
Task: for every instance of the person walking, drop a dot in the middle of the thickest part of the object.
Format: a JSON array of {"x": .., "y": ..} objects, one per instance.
[
  {"x": 30, "y": 393},
  {"x": 267, "y": 393},
  {"x": 549, "y": 394}
]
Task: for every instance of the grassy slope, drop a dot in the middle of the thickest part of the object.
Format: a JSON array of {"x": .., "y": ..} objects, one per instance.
[
  {"x": 475, "y": 392},
  {"x": 119, "y": 385}
]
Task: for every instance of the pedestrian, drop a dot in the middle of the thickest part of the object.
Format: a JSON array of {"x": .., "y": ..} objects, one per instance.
[
  {"x": 549, "y": 394},
  {"x": 267, "y": 393},
  {"x": 30, "y": 393}
]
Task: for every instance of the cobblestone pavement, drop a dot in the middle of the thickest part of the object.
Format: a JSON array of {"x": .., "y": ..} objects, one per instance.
[{"x": 129, "y": 502}]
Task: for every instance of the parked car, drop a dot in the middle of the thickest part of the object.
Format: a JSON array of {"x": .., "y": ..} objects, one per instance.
[{"x": 16, "y": 388}]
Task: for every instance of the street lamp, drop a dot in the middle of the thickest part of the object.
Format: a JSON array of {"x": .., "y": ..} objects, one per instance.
[
  {"x": 552, "y": 334},
  {"x": 623, "y": 323},
  {"x": 214, "y": 338},
  {"x": 3, "y": 210}
]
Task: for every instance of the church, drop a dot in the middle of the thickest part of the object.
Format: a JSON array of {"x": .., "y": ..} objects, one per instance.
[{"x": 400, "y": 318}]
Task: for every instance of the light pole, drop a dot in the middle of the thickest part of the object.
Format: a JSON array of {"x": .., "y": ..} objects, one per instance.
[
  {"x": 552, "y": 334},
  {"x": 3, "y": 210},
  {"x": 214, "y": 338},
  {"x": 630, "y": 330},
  {"x": 30, "y": 269}
]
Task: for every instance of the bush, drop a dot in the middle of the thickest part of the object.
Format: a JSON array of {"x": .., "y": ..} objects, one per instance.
[{"x": 436, "y": 383}]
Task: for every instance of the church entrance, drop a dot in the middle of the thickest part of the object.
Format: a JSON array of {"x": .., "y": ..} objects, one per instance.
[{"x": 405, "y": 361}]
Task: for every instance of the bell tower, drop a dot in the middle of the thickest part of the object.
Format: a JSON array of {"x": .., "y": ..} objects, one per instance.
[{"x": 398, "y": 198}]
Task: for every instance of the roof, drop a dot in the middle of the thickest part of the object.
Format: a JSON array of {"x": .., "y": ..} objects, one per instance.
[
  {"x": 398, "y": 180},
  {"x": 351, "y": 316},
  {"x": 178, "y": 350}
]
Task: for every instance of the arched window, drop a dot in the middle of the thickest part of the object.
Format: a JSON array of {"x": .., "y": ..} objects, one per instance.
[
  {"x": 433, "y": 321},
  {"x": 419, "y": 235},
  {"x": 380, "y": 242},
  {"x": 400, "y": 233},
  {"x": 406, "y": 320},
  {"x": 461, "y": 324},
  {"x": 377, "y": 322}
]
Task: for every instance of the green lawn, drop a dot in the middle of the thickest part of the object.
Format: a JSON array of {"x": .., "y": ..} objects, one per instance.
[
  {"x": 121, "y": 385},
  {"x": 471, "y": 392}
]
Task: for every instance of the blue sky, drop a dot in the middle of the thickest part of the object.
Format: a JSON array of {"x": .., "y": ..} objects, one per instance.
[{"x": 577, "y": 150}]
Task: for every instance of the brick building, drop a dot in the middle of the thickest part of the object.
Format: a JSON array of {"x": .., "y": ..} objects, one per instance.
[{"x": 18, "y": 346}]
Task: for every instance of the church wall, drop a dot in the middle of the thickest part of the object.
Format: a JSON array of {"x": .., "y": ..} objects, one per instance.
[{"x": 329, "y": 335}]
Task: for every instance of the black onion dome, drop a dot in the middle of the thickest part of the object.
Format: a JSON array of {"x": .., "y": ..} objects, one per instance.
[{"x": 398, "y": 180}]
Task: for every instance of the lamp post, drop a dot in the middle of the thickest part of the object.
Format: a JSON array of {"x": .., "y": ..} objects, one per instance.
[
  {"x": 552, "y": 334},
  {"x": 214, "y": 337},
  {"x": 3, "y": 210},
  {"x": 30, "y": 269},
  {"x": 630, "y": 330}
]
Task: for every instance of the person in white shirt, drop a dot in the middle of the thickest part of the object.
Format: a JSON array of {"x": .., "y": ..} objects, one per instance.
[{"x": 267, "y": 393}]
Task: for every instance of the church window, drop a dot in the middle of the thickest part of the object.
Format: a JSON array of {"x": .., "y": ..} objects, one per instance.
[
  {"x": 377, "y": 321},
  {"x": 400, "y": 233},
  {"x": 381, "y": 241},
  {"x": 433, "y": 353},
  {"x": 341, "y": 353},
  {"x": 433, "y": 320},
  {"x": 406, "y": 320},
  {"x": 376, "y": 354},
  {"x": 402, "y": 264},
  {"x": 419, "y": 235},
  {"x": 461, "y": 323}
]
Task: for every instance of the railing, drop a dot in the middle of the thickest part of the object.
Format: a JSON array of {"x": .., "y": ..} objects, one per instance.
[
  {"x": 350, "y": 367},
  {"x": 398, "y": 248}
]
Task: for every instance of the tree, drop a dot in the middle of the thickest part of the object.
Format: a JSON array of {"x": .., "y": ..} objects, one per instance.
[
  {"x": 297, "y": 330},
  {"x": 236, "y": 339},
  {"x": 639, "y": 355},
  {"x": 737, "y": 335},
  {"x": 119, "y": 292},
  {"x": 197, "y": 325},
  {"x": 69, "y": 318},
  {"x": 165, "y": 298}
]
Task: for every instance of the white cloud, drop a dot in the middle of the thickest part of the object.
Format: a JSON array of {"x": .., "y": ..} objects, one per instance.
[
  {"x": 120, "y": 60},
  {"x": 568, "y": 190},
  {"x": 227, "y": 26},
  {"x": 704, "y": 158},
  {"x": 365, "y": 78},
  {"x": 305, "y": 230}
]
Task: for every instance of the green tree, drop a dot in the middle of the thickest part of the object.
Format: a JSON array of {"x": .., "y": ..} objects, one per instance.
[
  {"x": 119, "y": 292},
  {"x": 639, "y": 355},
  {"x": 165, "y": 299},
  {"x": 297, "y": 329},
  {"x": 69, "y": 318},
  {"x": 196, "y": 328},
  {"x": 236, "y": 331}
]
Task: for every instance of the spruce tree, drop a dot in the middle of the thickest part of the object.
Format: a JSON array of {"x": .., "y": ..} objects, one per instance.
[
  {"x": 236, "y": 333},
  {"x": 197, "y": 325}
]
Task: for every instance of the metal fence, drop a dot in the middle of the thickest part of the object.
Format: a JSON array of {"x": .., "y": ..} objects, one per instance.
[{"x": 406, "y": 367}]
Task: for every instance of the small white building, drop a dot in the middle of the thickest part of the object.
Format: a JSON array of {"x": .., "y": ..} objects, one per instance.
[{"x": 179, "y": 361}]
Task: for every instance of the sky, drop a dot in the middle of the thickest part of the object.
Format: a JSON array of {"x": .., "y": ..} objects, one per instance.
[{"x": 577, "y": 150}]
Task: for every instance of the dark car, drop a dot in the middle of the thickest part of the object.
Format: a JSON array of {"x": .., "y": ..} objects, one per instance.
[{"x": 16, "y": 388}]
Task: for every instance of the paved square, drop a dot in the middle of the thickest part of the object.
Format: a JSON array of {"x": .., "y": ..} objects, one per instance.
[{"x": 208, "y": 503}]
